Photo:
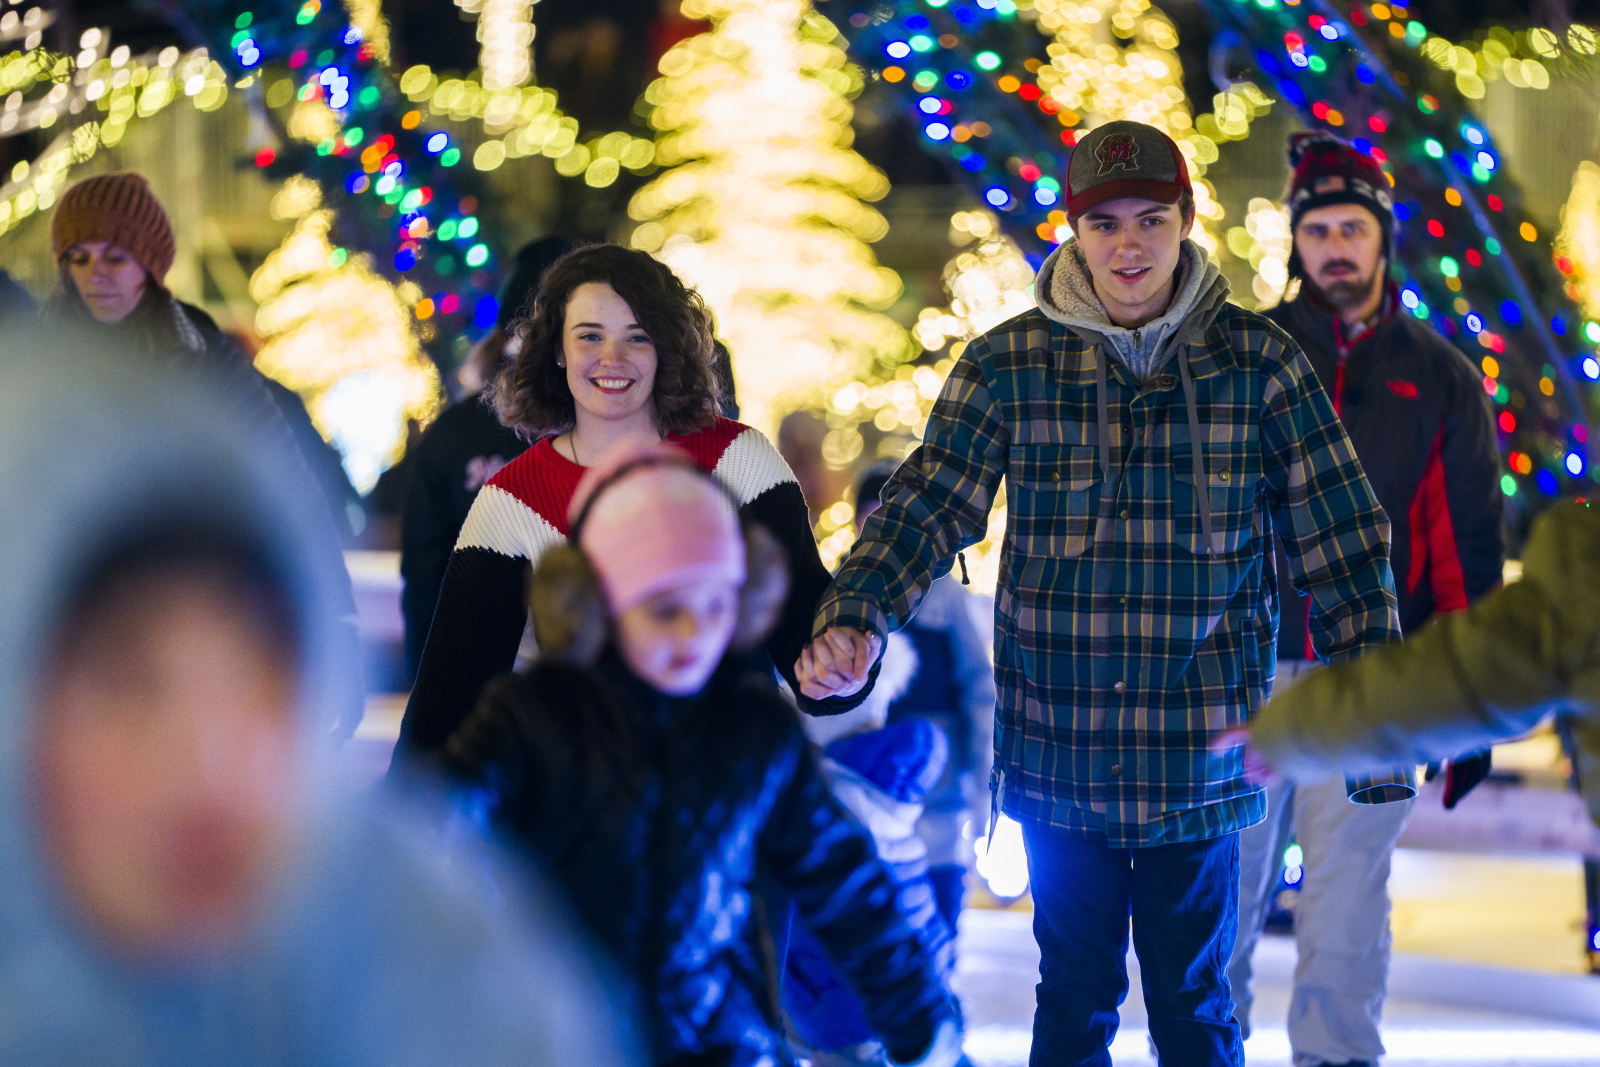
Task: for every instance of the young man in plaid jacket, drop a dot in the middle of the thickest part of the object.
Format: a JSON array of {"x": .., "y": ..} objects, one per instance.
[{"x": 1137, "y": 605}]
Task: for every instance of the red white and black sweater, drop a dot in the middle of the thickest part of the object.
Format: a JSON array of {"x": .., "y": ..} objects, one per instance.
[
  {"x": 1415, "y": 410},
  {"x": 522, "y": 512}
]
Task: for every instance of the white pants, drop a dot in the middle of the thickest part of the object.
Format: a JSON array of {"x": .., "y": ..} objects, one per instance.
[{"x": 1341, "y": 921}]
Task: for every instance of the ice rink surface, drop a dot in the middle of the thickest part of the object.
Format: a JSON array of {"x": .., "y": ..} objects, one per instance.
[{"x": 1435, "y": 1015}]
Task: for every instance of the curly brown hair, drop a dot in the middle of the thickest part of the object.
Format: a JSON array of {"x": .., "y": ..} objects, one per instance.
[{"x": 531, "y": 394}]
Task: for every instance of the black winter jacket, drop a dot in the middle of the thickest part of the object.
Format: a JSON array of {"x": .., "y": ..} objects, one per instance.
[
  {"x": 1415, "y": 410},
  {"x": 196, "y": 345},
  {"x": 463, "y": 449},
  {"x": 654, "y": 814}
]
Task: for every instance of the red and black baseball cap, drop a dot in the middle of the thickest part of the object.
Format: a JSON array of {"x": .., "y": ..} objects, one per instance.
[{"x": 1124, "y": 158}]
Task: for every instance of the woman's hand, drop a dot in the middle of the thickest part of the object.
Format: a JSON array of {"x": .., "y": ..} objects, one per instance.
[
  {"x": 1256, "y": 769},
  {"x": 837, "y": 663}
]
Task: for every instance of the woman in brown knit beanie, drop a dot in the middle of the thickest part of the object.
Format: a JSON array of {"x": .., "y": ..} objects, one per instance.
[{"x": 114, "y": 245}]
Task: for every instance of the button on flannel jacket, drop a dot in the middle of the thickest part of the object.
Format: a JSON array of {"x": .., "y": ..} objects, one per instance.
[{"x": 1124, "y": 643}]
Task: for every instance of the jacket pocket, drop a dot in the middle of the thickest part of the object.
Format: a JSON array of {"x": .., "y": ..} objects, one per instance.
[
  {"x": 1052, "y": 494},
  {"x": 1231, "y": 488}
]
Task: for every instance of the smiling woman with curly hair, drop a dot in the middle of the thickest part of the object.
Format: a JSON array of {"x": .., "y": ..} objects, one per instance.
[
  {"x": 538, "y": 393},
  {"x": 615, "y": 346}
]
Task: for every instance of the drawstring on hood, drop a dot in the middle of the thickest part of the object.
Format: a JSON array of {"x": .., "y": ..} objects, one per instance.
[{"x": 1065, "y": 292}]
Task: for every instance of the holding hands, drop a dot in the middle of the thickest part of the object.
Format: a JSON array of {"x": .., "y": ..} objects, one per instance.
[{"x": 837, "y": 663}]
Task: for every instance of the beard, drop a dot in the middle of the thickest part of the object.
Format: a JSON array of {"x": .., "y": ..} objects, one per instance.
[{"x": 1347, "y": 292}]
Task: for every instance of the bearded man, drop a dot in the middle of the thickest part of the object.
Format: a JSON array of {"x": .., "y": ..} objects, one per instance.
[{"x": 1414, "y": 408}]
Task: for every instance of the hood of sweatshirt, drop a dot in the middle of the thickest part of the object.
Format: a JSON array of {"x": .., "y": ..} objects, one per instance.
[
  {"x": 1065, "y": 292},
  {"x": 362, "y": 944}
]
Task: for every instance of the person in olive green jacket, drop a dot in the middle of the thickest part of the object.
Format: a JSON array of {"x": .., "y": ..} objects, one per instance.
[{"x": 1466, "y": 680}]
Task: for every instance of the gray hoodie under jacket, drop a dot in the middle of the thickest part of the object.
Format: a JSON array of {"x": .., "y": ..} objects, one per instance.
[{"x": 1065, "y": 292}]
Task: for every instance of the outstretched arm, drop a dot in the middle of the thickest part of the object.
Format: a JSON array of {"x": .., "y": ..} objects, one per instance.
[
  {"x": 935, "y": 505},
  {"x": 1466, "y": 680}
]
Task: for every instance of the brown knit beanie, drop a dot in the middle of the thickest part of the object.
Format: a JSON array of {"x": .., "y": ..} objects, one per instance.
[{"x": 119, "y": 208}]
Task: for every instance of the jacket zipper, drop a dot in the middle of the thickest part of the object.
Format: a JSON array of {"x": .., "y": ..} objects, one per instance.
[{"x": 1343, "y": 350}]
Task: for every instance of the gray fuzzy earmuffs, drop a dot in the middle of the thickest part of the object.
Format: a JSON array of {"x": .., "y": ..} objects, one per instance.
[{"x": 572, "y": 621}]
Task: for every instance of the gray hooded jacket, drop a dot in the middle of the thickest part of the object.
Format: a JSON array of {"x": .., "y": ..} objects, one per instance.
[
  {"x": 365, "y": 950},
  {"x": 1065, "y": 293}
]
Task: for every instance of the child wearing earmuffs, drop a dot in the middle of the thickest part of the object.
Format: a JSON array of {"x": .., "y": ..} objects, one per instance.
[{"x": 648, "y": 763}]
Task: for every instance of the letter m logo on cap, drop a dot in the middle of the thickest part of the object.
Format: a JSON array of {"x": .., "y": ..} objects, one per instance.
[
  {"x": 1124, "y": 159},
  {"x": 1117, "y": 150}
]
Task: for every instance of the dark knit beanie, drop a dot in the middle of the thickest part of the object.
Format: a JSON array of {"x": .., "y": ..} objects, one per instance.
[
  {"x": 121, "y": 209},
  {"x": 533, "y": 260},
  {"x": 1329, "y": 170}
]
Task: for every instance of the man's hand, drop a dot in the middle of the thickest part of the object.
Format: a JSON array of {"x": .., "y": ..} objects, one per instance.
[
  {"x": 1256, "y": 770},
  {"x": 837, "y": 663}
]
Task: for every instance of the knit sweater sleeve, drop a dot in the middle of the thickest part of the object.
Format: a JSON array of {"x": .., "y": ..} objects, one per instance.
[
  {"x": 768, "y": 493},
  {"x": 481, "y": 615}
]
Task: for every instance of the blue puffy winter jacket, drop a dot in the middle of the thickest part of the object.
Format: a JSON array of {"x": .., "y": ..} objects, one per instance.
[
  {"x": 882, "y": 777},
  {"x": 655, "y": 813}
]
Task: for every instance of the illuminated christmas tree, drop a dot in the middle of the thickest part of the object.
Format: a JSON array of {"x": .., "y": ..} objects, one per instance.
[
  {"x": 762, "y": 208},
  {"x": 342, "y": 336},
  {"x": 1578, "y": 244},
  {"x": 1089, "y": 80}
]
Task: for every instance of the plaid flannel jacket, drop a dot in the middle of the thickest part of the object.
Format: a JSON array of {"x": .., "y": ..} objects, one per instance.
[{"x": 1122, "y": 644}]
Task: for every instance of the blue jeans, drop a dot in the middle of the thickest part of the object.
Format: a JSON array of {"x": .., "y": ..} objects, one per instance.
[{"x": 1184, "y": 902}]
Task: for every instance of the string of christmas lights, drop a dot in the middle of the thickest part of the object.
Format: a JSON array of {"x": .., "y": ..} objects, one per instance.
[
  {"x": 1006, "y": 120},
  {"x": 44, "y": 90},
  {"x": 1470, "y": 260},
  {"x": 505, "y": 30},
  {"x": 947, "y": 59}
]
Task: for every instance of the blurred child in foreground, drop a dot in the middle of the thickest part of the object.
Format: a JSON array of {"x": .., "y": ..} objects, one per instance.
[
  {"x": 649, "y": 763},
  {"x": 183, "y": 882}
]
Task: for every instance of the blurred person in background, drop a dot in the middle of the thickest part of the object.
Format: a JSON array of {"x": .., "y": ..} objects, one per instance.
[
  {"x": 114, "y": 245},
  {"x": 1420, "y": 424},
  {"x": 882, "y": 773},
  {"x": 463, "y": 448},
  {"x": 186, "y": 878},
  {"x": 649, "y": 762},
  {"x": 617, "y": 347},
  {"x": 953, "y": 688}
]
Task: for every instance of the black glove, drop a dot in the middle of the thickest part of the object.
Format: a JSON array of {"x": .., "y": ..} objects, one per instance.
[{"x": 1463, "y": 773}]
